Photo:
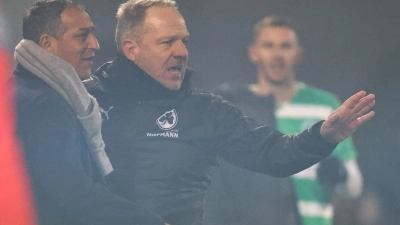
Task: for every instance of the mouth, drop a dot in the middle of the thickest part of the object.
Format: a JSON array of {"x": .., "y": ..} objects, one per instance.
[
  {"x": 89, "y": 59},
  {"x": 176, "y": 70},
  {"x": 278, "y": 66}
]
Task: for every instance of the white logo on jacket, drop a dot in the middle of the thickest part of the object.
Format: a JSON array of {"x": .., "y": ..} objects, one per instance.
[
  {"x": 168, "y": 120},
  {"x": 105, "y": 113}
]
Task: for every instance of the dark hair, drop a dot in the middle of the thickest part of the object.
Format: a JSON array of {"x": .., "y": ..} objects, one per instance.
[
  {"x": 44, "y": 17},
  {"x": 275, "y": 21}
]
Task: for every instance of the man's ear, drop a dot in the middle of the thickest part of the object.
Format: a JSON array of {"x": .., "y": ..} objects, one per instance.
[
  {"x": 47, "y": 43},
  {"x": 252, "y": 54},
  {"x": 299, "y": 55},
  {"x": 130, "y": 48}
]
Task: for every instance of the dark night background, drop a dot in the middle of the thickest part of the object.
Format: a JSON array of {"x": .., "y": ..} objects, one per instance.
[{"x": 349, "y": 45}]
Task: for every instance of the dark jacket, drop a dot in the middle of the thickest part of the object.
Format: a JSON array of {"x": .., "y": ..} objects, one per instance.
[
  {"x": 67, "y": 187},
  {"x": 163, "y": 142},
  {"x": 241, "y": 197}
]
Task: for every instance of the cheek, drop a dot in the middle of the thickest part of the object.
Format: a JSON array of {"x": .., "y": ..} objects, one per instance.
[
  {"x": 265, "y": 55},
  {"x": 156, "y": 62},
  {"x": 292, "y": 59},
  {"x": 265, "y": 59}
]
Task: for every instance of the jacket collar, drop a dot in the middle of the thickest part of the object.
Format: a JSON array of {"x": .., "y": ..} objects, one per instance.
[{"x": 127, "y": 81}]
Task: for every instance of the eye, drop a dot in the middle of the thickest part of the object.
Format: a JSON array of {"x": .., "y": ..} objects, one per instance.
[
  {"x": 267, "y": 45},
  {"x": 168, "y": 42},
  {"x": 287, "y": 46},
  {"x": 84, "y": 36}
]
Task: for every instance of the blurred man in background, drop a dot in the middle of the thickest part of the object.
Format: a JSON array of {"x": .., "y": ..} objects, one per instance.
[{"x": 276, "y": 50}]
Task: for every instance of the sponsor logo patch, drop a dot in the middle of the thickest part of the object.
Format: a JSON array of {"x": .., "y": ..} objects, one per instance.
[{"x": 167, "y": 122}]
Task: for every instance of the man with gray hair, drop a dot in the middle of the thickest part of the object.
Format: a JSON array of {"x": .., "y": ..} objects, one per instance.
[
  {"x": 163, "y": 137},
  {"x": 59, "y": 123}
]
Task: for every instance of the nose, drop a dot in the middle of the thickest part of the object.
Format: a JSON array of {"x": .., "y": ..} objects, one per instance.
[
  {"x": 92, "y": 42},
  {"x": 180, "y": 49},
  {"x": 277, "y": 51}
]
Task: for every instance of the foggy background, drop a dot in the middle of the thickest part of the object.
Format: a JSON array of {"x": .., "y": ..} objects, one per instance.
[
  {"x": 349, "y": 45},
  {"x": 344, "y": 41}
]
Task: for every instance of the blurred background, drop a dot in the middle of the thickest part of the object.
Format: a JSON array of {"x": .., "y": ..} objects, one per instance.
[{"x": 349, "y": 45}]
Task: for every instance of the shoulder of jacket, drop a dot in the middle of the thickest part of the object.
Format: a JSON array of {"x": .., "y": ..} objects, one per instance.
[
  {"x": 97, "y": 83},
  {"x": 94, "y": 85},
  {"x": 218, "y": 101},
  {"x": 46, "y": 103},
  {"x": 38, "y": 93},
  {"x": 206, "y": 95}
]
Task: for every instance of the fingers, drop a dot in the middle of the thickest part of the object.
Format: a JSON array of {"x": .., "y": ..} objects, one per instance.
[
  {"x": 364, "y": 102},
  {"x": 359, "y": 105},
  {"x": 353, "y": 100},
  {"x": 333, "y": 118},
  {"x": 365, "y": 105},
  {"x": 365, "y": 118}
]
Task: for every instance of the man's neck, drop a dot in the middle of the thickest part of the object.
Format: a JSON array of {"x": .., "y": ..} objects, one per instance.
[{"x": 283, "y": 92}]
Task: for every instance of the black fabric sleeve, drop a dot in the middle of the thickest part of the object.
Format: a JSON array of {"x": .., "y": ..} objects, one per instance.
[
  {"x": 243, "y": 142},
  {"x": 62, "y": 178}
]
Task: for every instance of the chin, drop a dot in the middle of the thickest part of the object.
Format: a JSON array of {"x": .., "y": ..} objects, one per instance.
[
  {"x": 173, "y": 87},
  {"x": 85, "y": 75},
  {"x": 277, "y": 81}
]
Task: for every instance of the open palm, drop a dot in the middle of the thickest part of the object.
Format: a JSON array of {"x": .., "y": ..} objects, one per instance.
[{"x": 345, "y": 120}]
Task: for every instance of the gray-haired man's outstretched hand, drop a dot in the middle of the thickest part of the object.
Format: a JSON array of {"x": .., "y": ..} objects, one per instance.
[{"x": 342, "y": 122}]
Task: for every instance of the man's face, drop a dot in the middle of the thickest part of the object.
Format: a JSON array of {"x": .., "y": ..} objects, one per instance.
[
  {"x": 78, "y": 43},
  {"x": 276, "y": 52},
  {"x": 161, "y": 51}
]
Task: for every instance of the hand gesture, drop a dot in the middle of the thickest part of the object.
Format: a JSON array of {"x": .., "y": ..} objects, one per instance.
[{"x": 342, "y": 122}]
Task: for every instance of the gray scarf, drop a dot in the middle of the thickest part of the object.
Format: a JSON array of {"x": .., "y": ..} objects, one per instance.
[{"x": 62, "y": 77}]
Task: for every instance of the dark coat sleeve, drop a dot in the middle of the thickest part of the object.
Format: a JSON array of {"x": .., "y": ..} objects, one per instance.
[
  {"x": 62, "y": 178},
  {"x": 243, "y": 142}
]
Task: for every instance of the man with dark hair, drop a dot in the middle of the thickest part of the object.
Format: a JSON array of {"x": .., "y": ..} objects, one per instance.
[
  {"x": 238, "y": 196},
  {"x": 59, "y": 122},
  {"x": 276, "y": 50},
  {"x": 162, "y": 137}
]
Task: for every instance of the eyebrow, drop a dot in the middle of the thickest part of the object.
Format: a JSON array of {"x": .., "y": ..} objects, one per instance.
[
  {"x": 175, "y": 37},
  {"x": 85, "y": 29}
]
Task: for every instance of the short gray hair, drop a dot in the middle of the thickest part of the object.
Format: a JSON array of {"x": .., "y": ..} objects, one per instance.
[{"x": 130, "y": 17}]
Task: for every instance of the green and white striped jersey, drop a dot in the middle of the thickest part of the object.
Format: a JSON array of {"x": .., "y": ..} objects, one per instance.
[{"x": 309, "y": 106}]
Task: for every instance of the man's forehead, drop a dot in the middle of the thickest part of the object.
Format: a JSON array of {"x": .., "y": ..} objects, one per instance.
[
  {"x": 158, "y": 17},
  {"x": 168, "y": 30},
  {"x": 76, "y": 17},
  {"x": 277, "y": 33}
]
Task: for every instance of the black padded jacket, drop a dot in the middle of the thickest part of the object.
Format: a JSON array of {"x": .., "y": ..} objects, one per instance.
[{"x": 162, "y": 143}]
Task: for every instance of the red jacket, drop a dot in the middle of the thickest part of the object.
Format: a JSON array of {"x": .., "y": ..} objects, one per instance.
[{"x": 16, "y": 205}]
